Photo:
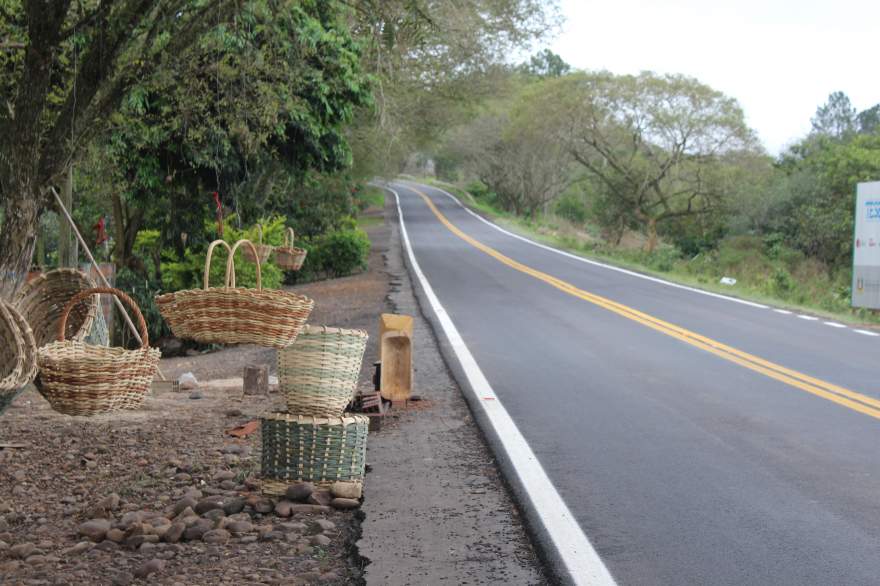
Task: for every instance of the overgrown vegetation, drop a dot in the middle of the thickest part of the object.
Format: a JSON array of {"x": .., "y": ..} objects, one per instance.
[{"x": 766, "y": 269}]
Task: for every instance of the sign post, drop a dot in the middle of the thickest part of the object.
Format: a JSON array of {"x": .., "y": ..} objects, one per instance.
[{"x": 866, "y": 247}]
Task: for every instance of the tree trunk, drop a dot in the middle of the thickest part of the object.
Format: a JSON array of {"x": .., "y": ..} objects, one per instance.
[
  {"x": 18, "y": 236},
  {"x": 651, "y": 244}
]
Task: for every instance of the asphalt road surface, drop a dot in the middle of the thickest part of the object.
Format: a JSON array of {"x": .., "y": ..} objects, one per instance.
[{"x": 695, "y": 439}]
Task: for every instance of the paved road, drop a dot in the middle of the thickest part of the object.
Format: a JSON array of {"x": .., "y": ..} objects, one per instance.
[{"x": 696, "y": 440}]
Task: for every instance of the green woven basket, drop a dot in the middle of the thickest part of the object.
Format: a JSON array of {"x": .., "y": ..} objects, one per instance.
[
  {"x": 318, "y": 373},
  {"x": 320, "y": 450}
]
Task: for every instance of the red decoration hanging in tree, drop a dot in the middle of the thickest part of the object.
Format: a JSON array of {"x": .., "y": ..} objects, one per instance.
[{"x": 100, "y": 232}]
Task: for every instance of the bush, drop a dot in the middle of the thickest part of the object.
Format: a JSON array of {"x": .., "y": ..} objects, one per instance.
[
  {"x": 481, "y": 192},
  {"x": 572, "y": 208},
  {"x": 335, "y": 254},
  {"x": 343, "y": 252}
]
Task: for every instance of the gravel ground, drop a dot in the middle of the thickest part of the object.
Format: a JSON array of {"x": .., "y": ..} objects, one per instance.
[{"x": 71, "y": 467}]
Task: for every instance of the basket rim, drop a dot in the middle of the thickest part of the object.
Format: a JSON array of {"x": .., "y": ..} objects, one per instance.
[
  {"x": 347, "y": 419},
  {"x": 316, "y": 329}
]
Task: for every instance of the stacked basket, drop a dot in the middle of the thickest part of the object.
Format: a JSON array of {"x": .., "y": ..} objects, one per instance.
[
  {"x": 18, "y": 350},
  {"x": 315, "y": 440}
]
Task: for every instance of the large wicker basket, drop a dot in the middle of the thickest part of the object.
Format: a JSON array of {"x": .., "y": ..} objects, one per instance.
[
  {"x": 320, "y": 450},
  {"x": 82, "y": 379},
  {"x": 318, "y": 373},
  {"x": 258, "y": 252},
  {"x": 234, "y": 315},
  {"x": 289, "y": 257},
  {"x": 42, "y": 301},
  {"x": 18, "y": 364}
]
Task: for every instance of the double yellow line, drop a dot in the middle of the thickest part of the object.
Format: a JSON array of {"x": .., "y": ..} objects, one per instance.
[{"x": 840, "y": 395}]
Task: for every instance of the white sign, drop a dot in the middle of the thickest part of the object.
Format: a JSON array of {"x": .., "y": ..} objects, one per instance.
[{"x": 866, "y": 247}]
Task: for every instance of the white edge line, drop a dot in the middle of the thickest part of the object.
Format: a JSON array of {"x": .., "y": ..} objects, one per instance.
[
  {"x": 866, "y": 333},
  {"x": 807, "y": 317},
  {"x": 595, "y": 262},
  {"x": 581, "y": 560},
  {"x": 834, "y": 324},
  {"x": 783, "y": 311}
]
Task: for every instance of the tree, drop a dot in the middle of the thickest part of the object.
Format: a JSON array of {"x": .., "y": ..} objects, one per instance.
[
  {"x": 546, "y": 64},
  {"x": 266, "y": 100},
  {"x": 836, "y": 117},
  {"x": 822, "y": 173},
  {"x": 434, "y": 61},
  {"x": 514, "y": 153},
  {"x": 67, "y": 66},
  {"x": 71, "y": 65},
  {"x": 656, "y": 143},
  {"x": 869, "y": 120}
]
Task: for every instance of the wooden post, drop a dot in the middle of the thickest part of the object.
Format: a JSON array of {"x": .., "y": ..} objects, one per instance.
[
  {"x": 395, "y": 352},
  {"x": 67, "y": 249},
  {"x": 255, "y": 380}
]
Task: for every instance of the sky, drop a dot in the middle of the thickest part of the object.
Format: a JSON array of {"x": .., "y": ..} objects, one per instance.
[{"x": 779, "y": 58}]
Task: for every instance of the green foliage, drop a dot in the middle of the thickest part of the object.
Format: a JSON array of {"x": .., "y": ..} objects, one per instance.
[
  {"x": 369, "y": 197},
  {"x": 188, "y": 272},
  {"x": 546, "y": 63},
  {"x": 572, "y": 208},
  {"x": 143, "y": 290},
  {"x": 336, "y": 254}
]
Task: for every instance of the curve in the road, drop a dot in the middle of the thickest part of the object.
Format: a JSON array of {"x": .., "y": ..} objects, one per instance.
[{"x": 835, "y": 393}]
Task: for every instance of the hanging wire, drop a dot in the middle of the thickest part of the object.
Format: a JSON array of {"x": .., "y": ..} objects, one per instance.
[{"x": 217, "y": 122}]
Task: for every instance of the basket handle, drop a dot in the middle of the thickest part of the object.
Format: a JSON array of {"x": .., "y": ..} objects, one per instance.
[
  {"x": 230, "y": 276},
  {"x": 230, "y": 264},
  {"x": 288, "y": 244},
  {"x": 142, "y": 325}
]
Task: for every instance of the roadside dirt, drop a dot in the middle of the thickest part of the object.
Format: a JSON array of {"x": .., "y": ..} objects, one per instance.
[
  {"x": 435, "y": 509},
  {"x": 151, "y": 458}
]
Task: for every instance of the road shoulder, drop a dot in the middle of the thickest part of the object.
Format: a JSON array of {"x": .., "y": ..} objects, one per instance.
[{"x": 436, "y": 509}]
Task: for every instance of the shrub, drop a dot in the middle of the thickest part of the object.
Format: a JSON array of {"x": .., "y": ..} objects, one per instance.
[
  {"x": 335, "y": 254},
  {"x": 343, "y": 252},
  {"x": 572, "y": 208}
]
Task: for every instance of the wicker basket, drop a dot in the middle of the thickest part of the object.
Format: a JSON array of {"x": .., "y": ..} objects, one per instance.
[
  {"x": 230, "y": 315},
  {"x": 320, "y": 450},
  {"x": 18, "y": 364},
  {"x": 258, "y": 251},
  {"x": 318, "y": 373},
  {"x": 42, "y": 301},
  {"x": 81, "y": 379},
  {"x": 289, "y": 257}
]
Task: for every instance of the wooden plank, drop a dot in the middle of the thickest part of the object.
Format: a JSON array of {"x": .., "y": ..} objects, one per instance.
[
  {"x": 256, "y": 379},
  {"x": 395, "y": 352}
]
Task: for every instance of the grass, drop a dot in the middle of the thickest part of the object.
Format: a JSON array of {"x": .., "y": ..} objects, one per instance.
[
  {"x": 371, "y": 197},
  {"x": 788, "y": 281},
  {"x": 370, "y": 202}
]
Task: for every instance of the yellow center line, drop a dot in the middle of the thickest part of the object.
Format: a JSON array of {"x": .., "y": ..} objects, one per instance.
[{"x": 840, "y": 395}]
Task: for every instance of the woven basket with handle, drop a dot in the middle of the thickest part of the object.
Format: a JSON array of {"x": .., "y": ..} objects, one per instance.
[
  {"x": 18, "y": 364},
  {"x": 257, "y": 252},
  {"x": 42, "y": 301},
  {"x": 235, "y": 315},
  {"x": 289, "y": 257},
  {"x": 83, "y": 379},
  {"x": 318, "y": 373},
  {"x": 320, "y": 450}
]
